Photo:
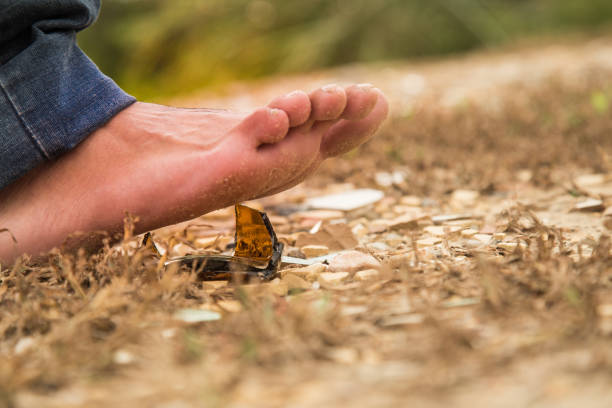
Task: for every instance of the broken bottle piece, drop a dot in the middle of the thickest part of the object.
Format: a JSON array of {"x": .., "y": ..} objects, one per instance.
[{"x": 257, "y": 251}]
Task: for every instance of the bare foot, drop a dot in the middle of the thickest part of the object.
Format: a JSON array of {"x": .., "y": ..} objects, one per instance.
[{"x": 167, "y": 165}]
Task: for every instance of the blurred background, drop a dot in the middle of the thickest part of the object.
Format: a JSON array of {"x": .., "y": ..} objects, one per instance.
[{"x": 160, "y": 48}]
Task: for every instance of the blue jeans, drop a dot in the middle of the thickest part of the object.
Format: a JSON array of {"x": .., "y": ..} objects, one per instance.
[{"x": 52, "y": 96}]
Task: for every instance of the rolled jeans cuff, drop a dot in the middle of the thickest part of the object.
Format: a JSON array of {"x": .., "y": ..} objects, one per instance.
[{"x": 52, "y": 96}]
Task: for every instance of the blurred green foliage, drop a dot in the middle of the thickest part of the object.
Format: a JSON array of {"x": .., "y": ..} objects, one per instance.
[{"x": 156, "y": 48}]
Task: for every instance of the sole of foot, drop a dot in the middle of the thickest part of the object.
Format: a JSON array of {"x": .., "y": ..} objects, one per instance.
[{"x": 166, "y": 165}]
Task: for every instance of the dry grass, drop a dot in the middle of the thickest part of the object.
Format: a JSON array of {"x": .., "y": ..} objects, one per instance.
[{"x": 64, "y": 322}]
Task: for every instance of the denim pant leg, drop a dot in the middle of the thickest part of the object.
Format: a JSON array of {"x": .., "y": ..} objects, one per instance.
[{"x": 52, "y": 96}]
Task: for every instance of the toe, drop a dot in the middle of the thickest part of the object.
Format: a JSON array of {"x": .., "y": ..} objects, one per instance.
[
  {"x": 264, "y": 126},
  {"x": 360, "y": 100},
  {"x": 327, "y": 102},
  {"x": 348, "y": 134},
  {"x": 296, "y": 105}
]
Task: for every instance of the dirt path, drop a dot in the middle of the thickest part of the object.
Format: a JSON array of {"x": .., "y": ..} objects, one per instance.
[{"x": 487, "y": 278}]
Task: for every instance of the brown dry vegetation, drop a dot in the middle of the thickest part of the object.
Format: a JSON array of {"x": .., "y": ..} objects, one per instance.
[{"x": 452, "y": 322}]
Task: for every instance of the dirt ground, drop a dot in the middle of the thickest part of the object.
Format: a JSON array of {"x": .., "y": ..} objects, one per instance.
[{"x": 483, "y": 276}]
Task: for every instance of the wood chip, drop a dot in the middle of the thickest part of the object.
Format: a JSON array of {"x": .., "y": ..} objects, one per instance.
[
  {"x": 278, "y": 287},
  {"x": 353, "y": 261},
  {"x": 346, "y": 201},
  {"x": 469, "y": 232},
  {"x": 215, "y": 284},
  {"x": 385, "y": 179},
  {"x": 314, "y": 250},
  {"x": 367, "y": 274},
  {"x": 590, "y": 205},
  {"x": 230, "y": 305},
  {"x": 379, "y": 225},
  {"x": 407, "y": 221},
  {"x": 332, "y": 277},
  {"x": 464, "y": 197},
  {"x": 587, "y": 180},
  {"x": 441, "y": 231},
  {"x": 335, "y": 237},
  {"x": 196, "y": 315},
  {"x": 359, "y": 231},
  {"x": 441, "y": 219},
  {"x": 507, "y": 246},
  {"x": 308, "y": 272},
  {"x": 604, "y": 310},
  {"x": 429, "y": 241},
  {"x": 459, "y": 302},
  {"x": 412, "y": 201},
  {"x": 402, "y": 320},
  {"x": 343, "y": 355},
  {"x": 317, "y": 215},
  {"x": 484, "y": 238},
  {"x": 352, "y": 310},
  {"x": 295, "y": 282}
]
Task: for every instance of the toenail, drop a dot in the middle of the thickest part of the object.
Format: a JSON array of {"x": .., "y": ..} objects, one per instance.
[
  {"x": 365, "y": 87},
  {"x": 294, "y": 93},
  {"x": 330, "y": 88},
  {"x": 275, "y": 112}
]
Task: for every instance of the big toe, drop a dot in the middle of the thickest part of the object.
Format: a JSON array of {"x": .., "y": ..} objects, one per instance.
[
  {"x": 346, "y": 135},
  {"x": 296, "y": 105}
]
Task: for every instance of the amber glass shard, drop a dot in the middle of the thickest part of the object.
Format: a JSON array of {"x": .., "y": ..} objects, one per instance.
[
  {"x": 253, "y": 240},
  {"x": 257, "y": 251},
  {"x": 148, "y": 243}
]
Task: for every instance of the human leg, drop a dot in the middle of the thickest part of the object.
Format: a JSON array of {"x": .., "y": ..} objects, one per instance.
[{"x": 51, "y": 95}]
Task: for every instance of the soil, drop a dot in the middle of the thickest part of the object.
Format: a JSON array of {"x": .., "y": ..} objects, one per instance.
[{"x": 490, "y": 286}]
